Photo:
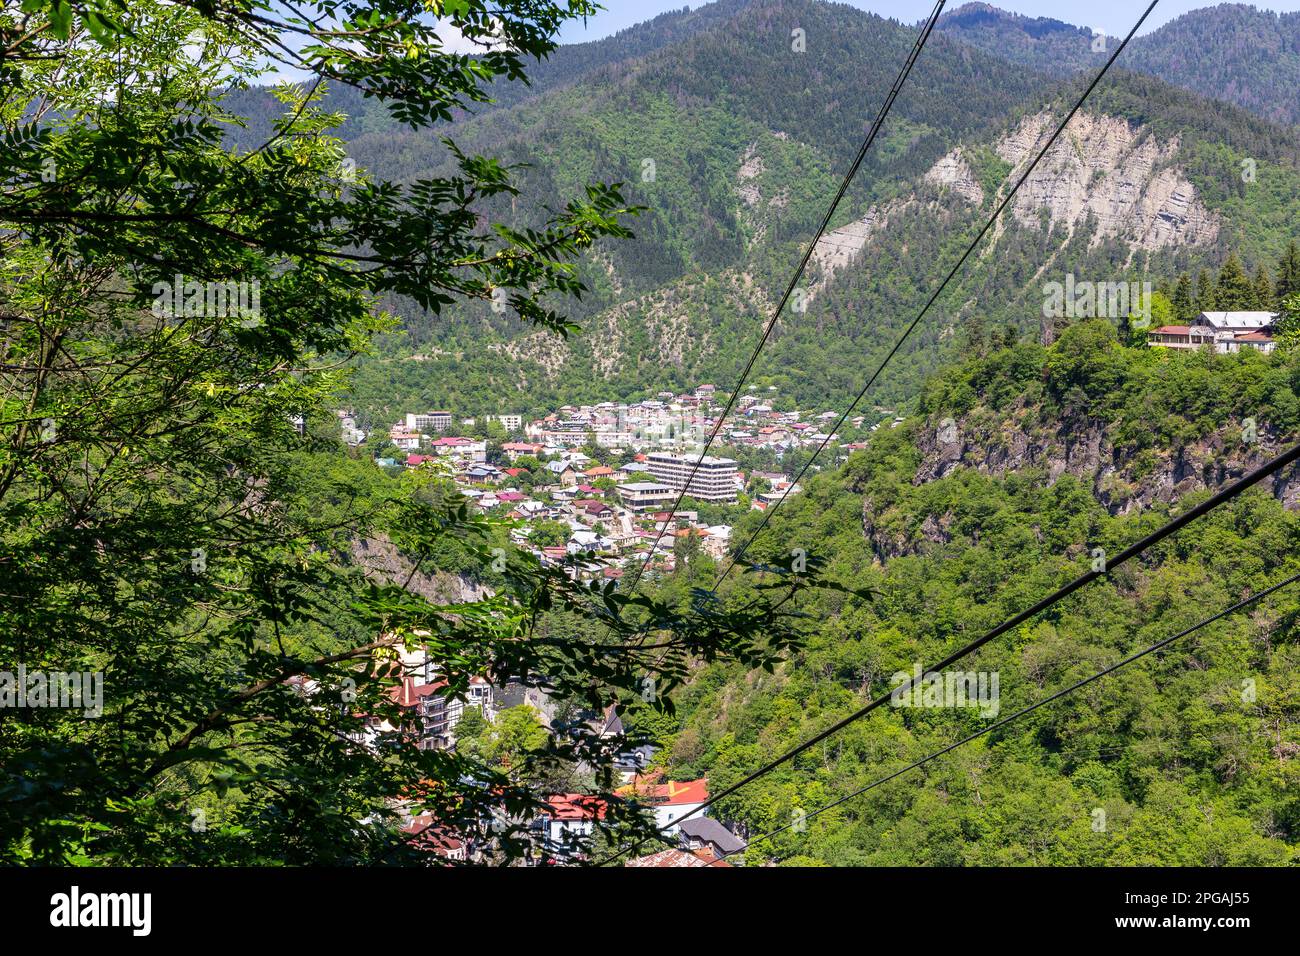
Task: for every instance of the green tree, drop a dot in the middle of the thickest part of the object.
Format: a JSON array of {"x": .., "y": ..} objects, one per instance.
[
  {"x": 172, "y": 308},
  {"x": 514, "y": 739},
  {"x": 1264, "y": 293},
  {"x": 1288, "y": 272},
  {"x": 472, "y": 727},
  {"x": 1234, "y": 291},
  {"x": 1206, "y": 296},
  {"x": 1184, "y": 300},
  {"x": 549, "y": 534},
  {"x": 1287, "y": 328}
]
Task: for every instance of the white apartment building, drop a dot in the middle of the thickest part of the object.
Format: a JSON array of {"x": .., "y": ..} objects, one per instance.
[
  {"x": 713, "y": 480},
  {"x": 645, "y": 495},
  {"x": 428, "y": 422}
]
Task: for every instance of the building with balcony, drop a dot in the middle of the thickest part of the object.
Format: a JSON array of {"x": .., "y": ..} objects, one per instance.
[{"x": 709, "y": 478}]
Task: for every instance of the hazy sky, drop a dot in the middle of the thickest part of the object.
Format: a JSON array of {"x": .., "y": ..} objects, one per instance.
[{"x": 1114, "y": 17}]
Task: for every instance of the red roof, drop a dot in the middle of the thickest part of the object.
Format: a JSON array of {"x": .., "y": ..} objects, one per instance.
[
  {"x": 428, "y": 837},
  {"x": 575, "y": 806},
  {"x": 1254, "y": 337},
  {"x": 418, "y": 459},
  {"x": 509, "y": 496},
  {"x": 408, "y": 693},
  {"x": 670, "y": 793},
  {"x": 1172, "y": 329}
]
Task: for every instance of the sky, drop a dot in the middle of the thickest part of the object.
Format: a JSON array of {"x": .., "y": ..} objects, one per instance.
[{"x": 1112, "y": 17}]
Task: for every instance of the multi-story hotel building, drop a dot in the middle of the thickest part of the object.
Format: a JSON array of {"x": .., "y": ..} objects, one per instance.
[
  {"x": 429, "y": 422},
  {"x": 714, "y": 479}
]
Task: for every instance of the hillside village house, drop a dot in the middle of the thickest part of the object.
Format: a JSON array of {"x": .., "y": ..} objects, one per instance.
[
  {"x": 404, "y": 438},
  {"x": 465, "y": 449},
  {"x": 706, "y": 833},
  {"x": 514, "y": 449},
  {"x": 569, "y": 817},
  {"x": 1225, "y": 332},
  {"x": 674, "y": 859},
  {"x": 671, "y": 799},
  {"x": 643, "y": 496},
  {"x": 563, "y": 472}
]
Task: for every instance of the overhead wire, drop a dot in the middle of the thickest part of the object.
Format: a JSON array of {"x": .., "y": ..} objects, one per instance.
[{"x": 1158, "y": 645}]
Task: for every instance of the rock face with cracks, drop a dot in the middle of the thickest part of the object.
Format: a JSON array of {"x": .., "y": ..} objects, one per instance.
[{"x": 1118, "y": 174}]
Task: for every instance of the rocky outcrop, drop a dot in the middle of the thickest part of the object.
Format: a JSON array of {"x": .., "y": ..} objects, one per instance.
[
  {"x": 954, "y": 173},
  {"x": 1120, "y": 175},
  {"x": 383, "y": 563},
  {"x": 1122, "y": 482},
  {"x": 1102, "y": 170},
  {"x": 838, "y": 247},
  {"x": 756, "y": 211}
]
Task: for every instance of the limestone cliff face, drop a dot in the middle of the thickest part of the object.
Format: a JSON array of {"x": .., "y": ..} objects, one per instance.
[
  {"x": 955, "y": 173},
  {"x": 1118, "y": 173},
  {"x": 1083, "y": 449},
  {"x": 1101, "y": 168}
]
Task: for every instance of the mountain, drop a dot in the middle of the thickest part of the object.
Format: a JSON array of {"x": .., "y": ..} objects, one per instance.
[
  {"x": 734, "y": 142},
  {"x": 1230, "y": 52},
  {"x": 1049, "y": 46}
]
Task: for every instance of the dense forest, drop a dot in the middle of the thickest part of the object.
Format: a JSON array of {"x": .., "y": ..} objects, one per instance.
[
  {"x": 1233, "y": 52},
  {"x": 1190, "y": 755}
]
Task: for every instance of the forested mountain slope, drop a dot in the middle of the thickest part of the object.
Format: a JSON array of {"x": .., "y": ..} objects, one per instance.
[
  {"x": 1146, "y": 184},
  {"x": 1190, "y": 755},
  {"x": 1231, "y": 51},
  {"x": 732, "y": 125}
]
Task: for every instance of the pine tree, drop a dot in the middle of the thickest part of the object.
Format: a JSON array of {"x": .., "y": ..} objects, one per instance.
[
  {"x": 1206, "y": 300},
  {"x": 1184, "y": 301},
  {"x": 1288, "y": 272},
  {"x": 1263, "y": 290},
  {"x": 1235, "y": 292}
]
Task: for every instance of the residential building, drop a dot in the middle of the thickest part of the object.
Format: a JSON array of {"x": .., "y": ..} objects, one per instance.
[
  {"x": 428, "y": 422},
  {"x": 424, "y": 835},
  {"x": 404, "y": 438},
  {"x": 645, "y": 495},
  {"x": 514, "y": 449},
  {"x": 671, "y": 800},
  {"x": 677, "y": 858},
  {"x": 562, "y": 472},
  {"x": 705, "y": 833},
  {"x": 569, "y": 820},
  {"x": 464, "y": 449},
  {"x": 710, "y": 478},
  {"x": 1225, "y": 332}
]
